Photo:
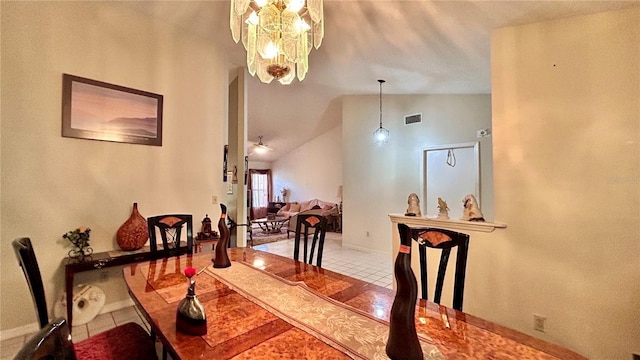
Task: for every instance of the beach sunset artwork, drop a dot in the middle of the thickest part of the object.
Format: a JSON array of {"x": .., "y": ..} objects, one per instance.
[{"x": 101, "y": 111}]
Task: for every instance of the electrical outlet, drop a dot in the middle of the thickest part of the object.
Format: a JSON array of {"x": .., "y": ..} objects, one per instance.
[
  {"x": 214, "y": 199},
  {"x": 539, "y": 322},
  {"x": 104, "y": 276}
]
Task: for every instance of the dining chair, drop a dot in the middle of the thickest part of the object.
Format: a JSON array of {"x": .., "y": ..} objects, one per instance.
[
  {"x": 128, "y": 341},
  {"x": 50, "y": 342},
  {"x": 444, "y": 240},
  {"x": 170, "y": 228},
  {"x": 304, "y": 223}
]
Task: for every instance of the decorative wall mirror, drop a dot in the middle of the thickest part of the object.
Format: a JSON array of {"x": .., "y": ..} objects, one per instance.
[{"x": 450, "y": 172}]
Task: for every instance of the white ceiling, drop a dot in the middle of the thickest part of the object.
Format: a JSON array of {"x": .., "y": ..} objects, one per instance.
[{"x": 418, "y": 47}]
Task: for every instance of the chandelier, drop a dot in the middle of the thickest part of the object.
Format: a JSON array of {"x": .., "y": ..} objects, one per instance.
[{"x": 278, "y": 36}]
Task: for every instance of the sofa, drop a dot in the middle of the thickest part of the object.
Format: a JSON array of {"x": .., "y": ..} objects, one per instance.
[{"x": 314, "y": 206}]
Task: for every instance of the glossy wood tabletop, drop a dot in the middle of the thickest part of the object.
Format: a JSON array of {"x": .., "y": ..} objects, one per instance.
[{"x": 240, "y": 329}]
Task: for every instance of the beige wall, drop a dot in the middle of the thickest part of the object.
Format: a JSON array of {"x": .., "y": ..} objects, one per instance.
[
  {"x": 566, "y": 121},
  {"x": 312, "y": 171},
  {"x": 259, "y": 165},
  {"x": 378, "y": 179},
  {"x": 52, "y": 184}
]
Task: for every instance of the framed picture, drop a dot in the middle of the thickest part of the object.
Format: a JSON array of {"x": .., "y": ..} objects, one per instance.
[
  {"x": 225, "y": 159},
  {"x": 97, "y": 110}
]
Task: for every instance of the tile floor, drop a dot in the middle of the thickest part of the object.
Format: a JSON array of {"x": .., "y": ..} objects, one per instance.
[{"x": 371, "y": 267}]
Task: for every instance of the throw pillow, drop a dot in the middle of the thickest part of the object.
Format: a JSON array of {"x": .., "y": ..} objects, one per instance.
[
  {"x": 294, "y": 208},
  {"x": 327, "y": 207},
  {"x": 286, "y": 207}
]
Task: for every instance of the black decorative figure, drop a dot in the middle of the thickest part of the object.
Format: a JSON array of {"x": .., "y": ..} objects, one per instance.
[
  {"x": 221, "y": 259},
  {"x": 403, "y": 340}
]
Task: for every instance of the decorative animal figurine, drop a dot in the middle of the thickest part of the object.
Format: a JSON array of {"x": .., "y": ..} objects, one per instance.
[
  {"x": 471, "y": 210},
  {"x": 443, "y": 214},
  {"x": 414, "y": 206}
]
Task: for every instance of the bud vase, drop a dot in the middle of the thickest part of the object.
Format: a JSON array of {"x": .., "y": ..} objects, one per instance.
[
  {"x": 191, "y": 318},
  {"x": 134, "y": 233},
  {"x": 221, "y": 259},
  {"x": 403, "y": 340}
]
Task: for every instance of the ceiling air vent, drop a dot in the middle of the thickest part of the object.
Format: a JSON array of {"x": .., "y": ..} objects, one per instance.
[{"x": 413, "y": 119}]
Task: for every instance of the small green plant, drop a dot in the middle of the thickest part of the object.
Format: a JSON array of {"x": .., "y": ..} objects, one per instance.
[{"x": 80, "y": 239}]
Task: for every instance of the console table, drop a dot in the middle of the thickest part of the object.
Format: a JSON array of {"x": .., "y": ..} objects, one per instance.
[{"x": 97, "y": 261}]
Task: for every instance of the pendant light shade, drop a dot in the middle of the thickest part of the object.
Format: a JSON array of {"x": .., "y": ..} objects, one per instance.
[{"x": 381, "y": 135}]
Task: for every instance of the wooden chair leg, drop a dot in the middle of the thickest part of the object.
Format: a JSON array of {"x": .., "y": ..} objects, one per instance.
[{"x": 320, "y": 249}]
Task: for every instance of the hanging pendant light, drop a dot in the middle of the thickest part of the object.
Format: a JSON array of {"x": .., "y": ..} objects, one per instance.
[{"x": 381, "y": 135}]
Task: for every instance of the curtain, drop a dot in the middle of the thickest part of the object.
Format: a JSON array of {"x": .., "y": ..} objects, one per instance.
[{"x": 257, "y": 212}]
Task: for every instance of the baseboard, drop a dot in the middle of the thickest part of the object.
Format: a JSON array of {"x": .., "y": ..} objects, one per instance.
[
  {"x": 33, "y": 327},
  {"x": 116, "y": 306},
  {"x": 19, "y": 331},
  {"x": 364, "y": 249}
]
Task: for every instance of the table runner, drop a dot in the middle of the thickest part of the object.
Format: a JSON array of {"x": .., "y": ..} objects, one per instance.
[{"x": 342, "y": 327}]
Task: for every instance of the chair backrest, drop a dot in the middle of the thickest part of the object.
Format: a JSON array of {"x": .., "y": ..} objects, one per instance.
[
  {"x": 444, "y": 240},
  {"x": 29, "y": 264},
  {"x": 170, "y": 227},
  {"x": 319, "y": 224},
  {"x": 51, "y": 342}
]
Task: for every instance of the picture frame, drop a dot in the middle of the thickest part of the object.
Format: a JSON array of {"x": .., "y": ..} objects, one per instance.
[
  {"x": 97, "y": 110},
  {"x": 225, "y": 159}
]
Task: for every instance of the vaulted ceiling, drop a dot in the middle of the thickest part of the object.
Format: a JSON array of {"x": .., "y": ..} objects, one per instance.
[{"x": 418, "y": 47}]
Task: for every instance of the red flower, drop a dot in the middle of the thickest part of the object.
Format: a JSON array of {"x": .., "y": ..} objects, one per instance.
[{"x": 189, "y": 272}]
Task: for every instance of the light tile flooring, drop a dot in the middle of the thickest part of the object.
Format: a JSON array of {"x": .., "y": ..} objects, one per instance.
[{"x": 371, "y": 267}]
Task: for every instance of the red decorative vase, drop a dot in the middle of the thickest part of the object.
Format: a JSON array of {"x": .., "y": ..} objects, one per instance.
[{"x": 134, "y": 233}]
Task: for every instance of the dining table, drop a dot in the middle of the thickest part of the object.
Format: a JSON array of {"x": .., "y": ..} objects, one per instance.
[{"x": 266, "y": 306}]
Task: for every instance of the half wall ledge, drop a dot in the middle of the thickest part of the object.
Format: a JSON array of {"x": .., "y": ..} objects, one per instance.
[{"x": 481, "y": 226}]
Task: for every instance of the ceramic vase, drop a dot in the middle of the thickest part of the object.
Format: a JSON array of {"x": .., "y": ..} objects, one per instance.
[
  {"x": 191, "y": 317},
  {"x": 221, "y": 259},
  {"x": 134, "y": 233},
  {"x": 403, "y": 343}
]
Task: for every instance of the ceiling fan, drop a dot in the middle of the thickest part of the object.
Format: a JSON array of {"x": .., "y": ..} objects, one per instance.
[{"x": 260, "y": 148}]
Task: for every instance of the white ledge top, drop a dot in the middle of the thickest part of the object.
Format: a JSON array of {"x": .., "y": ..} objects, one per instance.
[{"x": 481, "y": 226}]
